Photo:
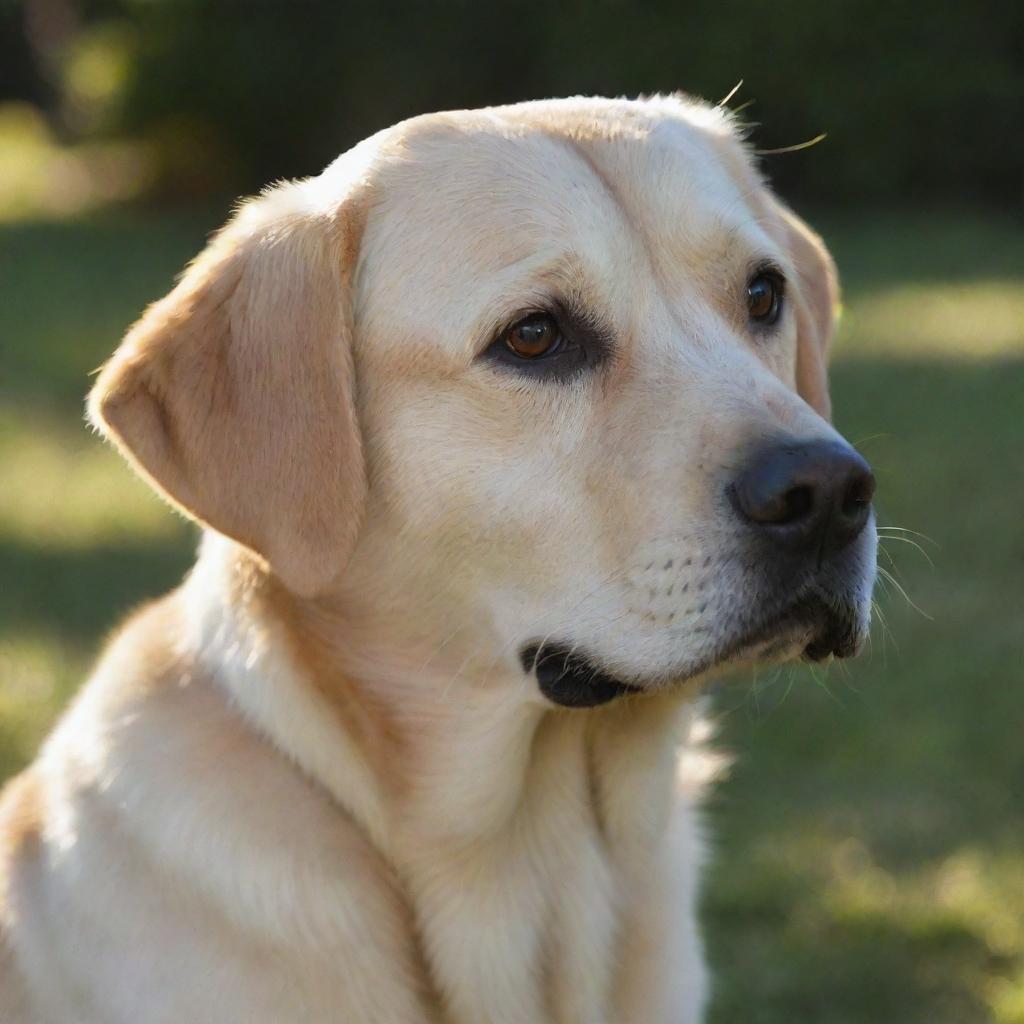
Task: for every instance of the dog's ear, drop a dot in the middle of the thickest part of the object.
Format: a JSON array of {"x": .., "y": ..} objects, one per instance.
[
  {"x": 233, "y": 395},
  {"x": 816, "y": 302}
]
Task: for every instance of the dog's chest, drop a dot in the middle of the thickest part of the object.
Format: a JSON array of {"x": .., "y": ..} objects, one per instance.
[{"x": 529, "y": 923}]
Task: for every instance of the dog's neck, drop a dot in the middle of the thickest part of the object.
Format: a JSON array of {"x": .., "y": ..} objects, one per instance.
[{"x": 418, "y": 751}]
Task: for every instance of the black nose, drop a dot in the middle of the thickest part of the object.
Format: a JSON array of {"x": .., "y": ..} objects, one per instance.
[{"x": 810, "y": 498}]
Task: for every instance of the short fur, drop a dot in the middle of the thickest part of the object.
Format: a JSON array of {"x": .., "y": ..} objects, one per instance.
[{"x": 314, "y": 783}]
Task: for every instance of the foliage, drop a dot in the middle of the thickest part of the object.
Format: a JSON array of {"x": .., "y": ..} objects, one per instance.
[{"x": 919, "y": 102}]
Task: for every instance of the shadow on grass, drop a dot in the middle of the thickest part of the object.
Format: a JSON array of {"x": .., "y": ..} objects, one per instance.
[
  {"x": 921, "y": 248},
  {"x": 71, "y": 289},
  {"x": 79, "y": 595},
  {"x": 798, "y": 964}
]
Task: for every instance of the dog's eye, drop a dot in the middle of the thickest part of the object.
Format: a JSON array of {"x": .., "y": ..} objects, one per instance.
[
  {"x": 764, "y": 297},
  {"x": 534, "y": 337},
  {"x": 550, "y": 346}
]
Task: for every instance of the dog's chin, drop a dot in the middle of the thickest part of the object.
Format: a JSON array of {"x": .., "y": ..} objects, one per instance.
[{"x": 810, "y": 627}]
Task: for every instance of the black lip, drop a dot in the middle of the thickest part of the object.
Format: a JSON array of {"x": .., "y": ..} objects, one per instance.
[
  {"x": 832, "y": 631},
  {"x": 569, "y": 679},
  {"x": 839, "y": 638}
]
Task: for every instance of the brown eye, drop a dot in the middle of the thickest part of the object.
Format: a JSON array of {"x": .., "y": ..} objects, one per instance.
[
  {"x": 764, "y": 298},
  {"x": 534, "y": 336}
]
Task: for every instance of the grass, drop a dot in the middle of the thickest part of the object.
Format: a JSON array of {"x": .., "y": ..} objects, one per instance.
[{"x": 869, "y": 861}]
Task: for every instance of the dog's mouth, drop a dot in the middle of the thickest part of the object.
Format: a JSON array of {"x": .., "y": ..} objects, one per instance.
[
  {"x": 569, "y": 678},
  {"x": 809, "y": 626},
  {"x": 823, "y": 628}
]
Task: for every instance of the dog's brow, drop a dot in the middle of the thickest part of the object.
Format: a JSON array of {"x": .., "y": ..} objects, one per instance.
[
  {"x": 561, "y": 282},
  {"x": 750, "y": 237}
]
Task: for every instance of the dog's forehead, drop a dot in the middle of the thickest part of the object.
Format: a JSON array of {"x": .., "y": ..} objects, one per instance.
[
  {"x": 498, "y": 200},
  {"x": 532, "y": 167}
]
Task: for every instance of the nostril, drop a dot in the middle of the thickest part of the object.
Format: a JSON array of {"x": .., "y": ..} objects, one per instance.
[
  {"x": 857, "y": 497},
  {"x": 798, "y": 503},
  {"x": 813, "y": 497},
  {"x": 762, "y": 498}
]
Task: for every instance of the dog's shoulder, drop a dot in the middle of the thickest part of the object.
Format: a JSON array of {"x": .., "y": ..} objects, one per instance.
[
  {"x": 21, "y": 819},
  {"x": 137, "y": 659},
  {"x": 21, "y": 822},
  {"x": 158, "y": 808}
]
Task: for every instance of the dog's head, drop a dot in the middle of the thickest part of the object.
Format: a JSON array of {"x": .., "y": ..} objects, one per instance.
[{"x": 546, "y": 383}]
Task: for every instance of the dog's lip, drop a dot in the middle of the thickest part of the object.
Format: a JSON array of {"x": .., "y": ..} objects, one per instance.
[
  {"x": 811, "y": 624},
  {"x": 843, "y": 645},
  {"x": 571, "y": 679},
  {"x": 823, "y": 627}
]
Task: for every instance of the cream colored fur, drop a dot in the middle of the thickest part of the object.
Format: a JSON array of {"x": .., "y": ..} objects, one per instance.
[{"x": 315, "y": 784}]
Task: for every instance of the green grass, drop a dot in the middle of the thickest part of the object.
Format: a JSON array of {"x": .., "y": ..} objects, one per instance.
[{"x": 869, "y": 862}]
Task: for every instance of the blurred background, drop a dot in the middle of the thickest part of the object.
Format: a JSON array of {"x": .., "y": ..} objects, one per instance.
[{"x": 870, "y": 836}]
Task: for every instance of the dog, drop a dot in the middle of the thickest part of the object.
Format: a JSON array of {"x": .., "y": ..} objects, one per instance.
[{"x": 506, "y": 433}]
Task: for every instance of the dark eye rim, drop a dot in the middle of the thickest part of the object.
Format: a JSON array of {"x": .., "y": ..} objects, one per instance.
[
  {"x": 585, "y": 342},
  {"x": 771, "y": 273}
]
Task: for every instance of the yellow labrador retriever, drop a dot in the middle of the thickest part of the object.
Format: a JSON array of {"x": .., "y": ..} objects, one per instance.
[{"x": 506, "y": 432}]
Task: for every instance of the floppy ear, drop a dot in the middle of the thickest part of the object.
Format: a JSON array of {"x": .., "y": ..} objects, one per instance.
[
  {"x": 817, "y": 304},
  {"x": 233, "y": 396}
]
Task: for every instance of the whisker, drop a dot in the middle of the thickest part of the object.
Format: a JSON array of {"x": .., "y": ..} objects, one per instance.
[
  {"x": 887, "y": 634},
  {"x": 916, "y": 533},
  {"x": 789, "y": 685},
  {"x": 794, "y": 148},
  {"x": 823, "y": 685},
  {"x": 729, "y": 95},
  {"x": 885, "y": 574},
  {"x": 912, "y": 543},
  {"x": 870, "y": 437}
]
